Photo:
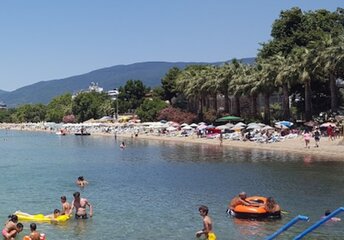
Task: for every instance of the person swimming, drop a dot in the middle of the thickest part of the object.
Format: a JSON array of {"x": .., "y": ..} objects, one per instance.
[
  {"x": 122, "y": 145},
  {"x": 332, "y": 219},
  {"x": 81, "y": 181}
]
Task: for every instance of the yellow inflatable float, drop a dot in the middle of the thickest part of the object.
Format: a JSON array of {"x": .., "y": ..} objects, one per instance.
[{"x": 22, "y": 216}]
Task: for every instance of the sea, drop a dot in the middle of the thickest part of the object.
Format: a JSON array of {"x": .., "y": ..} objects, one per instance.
[{"x": 152, "y": 189}]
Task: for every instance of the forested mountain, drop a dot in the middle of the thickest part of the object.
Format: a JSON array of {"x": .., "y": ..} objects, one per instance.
[{"x": 150, "y": 73}]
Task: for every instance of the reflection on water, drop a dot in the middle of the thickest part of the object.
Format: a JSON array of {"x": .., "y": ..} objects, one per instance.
[{"x": 152, "y": 189}]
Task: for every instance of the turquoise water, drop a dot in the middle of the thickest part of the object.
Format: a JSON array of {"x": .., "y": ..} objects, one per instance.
[{"x": 152, "y": 190}]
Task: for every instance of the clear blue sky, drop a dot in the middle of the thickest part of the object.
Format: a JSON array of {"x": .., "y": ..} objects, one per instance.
[{"x": 45, "y": 40}]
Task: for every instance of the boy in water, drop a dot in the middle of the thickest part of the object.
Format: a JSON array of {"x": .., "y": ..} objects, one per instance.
[
  {"x": 207, "y": 224},
  {"x": 34, "y": 235},
  {"x": 12, "y": 228},
  {"x": 66, "y": 208}
]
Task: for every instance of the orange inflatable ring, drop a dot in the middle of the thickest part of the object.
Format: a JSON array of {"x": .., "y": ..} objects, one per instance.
[{"x": 242, "y": 211}]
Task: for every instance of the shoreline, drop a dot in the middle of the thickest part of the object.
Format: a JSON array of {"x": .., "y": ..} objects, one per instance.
[
  {"x": 331, "y": 150},
  {"x": 327, "y": 150}
]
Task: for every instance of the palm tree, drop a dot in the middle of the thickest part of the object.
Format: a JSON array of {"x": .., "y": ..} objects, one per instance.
[
  {"x": 331, "y": 60},
  {"x": 302, "y": 66}
]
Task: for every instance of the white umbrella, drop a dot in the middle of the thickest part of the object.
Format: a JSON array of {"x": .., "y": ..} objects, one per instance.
[
  {"x": 184, "y": 124},
  {"x": 193, "y": 125},
  {"x": 240, "y": 124},
  {"x": 328, "y": 124},
  {"x": 222, "y": 127},
  {"x": 237, "y": 128},
  {"x": 267, "y": 127},
  {"x": 171, "y": 129},
  {"x": 202, "y": 127},
  {"x": 187, "y": 127},
  {"x": 254, "y": 126},
  {"x": 230, "y": 125}
]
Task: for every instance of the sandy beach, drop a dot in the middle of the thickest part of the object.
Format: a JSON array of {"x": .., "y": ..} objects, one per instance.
[{"x": 327, "y": 151}]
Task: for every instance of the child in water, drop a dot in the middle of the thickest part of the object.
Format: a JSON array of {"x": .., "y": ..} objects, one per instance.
[
  {"x": 207, "y": 224},
  {"x": 11, "y": 228}
]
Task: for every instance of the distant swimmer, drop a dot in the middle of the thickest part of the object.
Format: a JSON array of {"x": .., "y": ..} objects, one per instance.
[
  {"x": 81, "y": 181},
  {"x": 12, "y": 227},
  {"x": 207, "y": 230},
  {"x": 122, "y": 145},
  {"x": 332, "y": 219},
  {"x": 80, "y": 206},
  {"x": 66, "y": 207}
]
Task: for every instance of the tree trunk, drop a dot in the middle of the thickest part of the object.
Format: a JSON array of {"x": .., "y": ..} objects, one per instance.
[
  {"x": 267, "y": 108},
  {"x": 285, "y": 102},
  {"x": 333, "y": 89},
  {"x": 215, "y": 102},
  {"x": 226, "y": 102},
  {"x": 254, "y": 105},
  {"x": 308, "y": 101},
  {"x": 237, "y": 106}
]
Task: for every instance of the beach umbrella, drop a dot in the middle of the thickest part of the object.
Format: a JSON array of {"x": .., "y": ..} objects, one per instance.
[
  {"x": 328, "y": 124},
  {"x": 230, "y": 125},
  {"x": 310, "y": 124},
  {"x": 184, "y": 124},
  {"x": 229, "y": 118},
  {"x": 235, "y": 128},
  {"x": 223, "y": 127},
  {"x": 210, "y": 126},
  {"x": 253, "y": 126},
  {"x": 194, "y": 125},
  {"x": 267, "y": 127},
  {"x": 171, "y": 129},
  {"x": 202, "y": 127},
  {"x": 285, "y": 123},
  {"x": 202, "y": 123},
  {"x": 187, "y": 127},
  {"x": 240, "y": 124}
]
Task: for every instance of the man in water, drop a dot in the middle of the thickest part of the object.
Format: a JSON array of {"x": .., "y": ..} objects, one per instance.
[
  {"x": 238, "y": 200},
  {"x": 80, "y": 206},
  {"x": 66, "y": 208}
]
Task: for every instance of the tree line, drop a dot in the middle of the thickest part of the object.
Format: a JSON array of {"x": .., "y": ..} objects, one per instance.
[{"x": 302, "y": 63}]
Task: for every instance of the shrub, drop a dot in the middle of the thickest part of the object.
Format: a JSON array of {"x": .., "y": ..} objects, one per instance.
[{"x": 176, "y": 115}]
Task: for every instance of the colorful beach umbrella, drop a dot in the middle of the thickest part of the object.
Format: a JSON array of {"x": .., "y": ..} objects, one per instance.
[{"x": 229, "y": 118}]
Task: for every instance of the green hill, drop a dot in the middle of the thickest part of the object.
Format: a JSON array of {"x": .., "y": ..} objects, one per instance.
[{"x": 150, "y": 73}]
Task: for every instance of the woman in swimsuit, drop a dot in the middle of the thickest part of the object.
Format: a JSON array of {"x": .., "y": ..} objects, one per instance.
[{"x": 11, "y": 227}]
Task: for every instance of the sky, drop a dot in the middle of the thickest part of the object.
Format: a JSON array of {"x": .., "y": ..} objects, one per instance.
[{"x": 44, "y": 40}]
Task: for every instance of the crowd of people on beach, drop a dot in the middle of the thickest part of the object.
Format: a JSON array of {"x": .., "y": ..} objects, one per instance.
[{"x": 13, "y": 227}]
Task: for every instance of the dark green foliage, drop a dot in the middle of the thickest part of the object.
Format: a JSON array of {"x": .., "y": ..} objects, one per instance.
[
  {"x": 149, "y": 109},
  {"x": 131, "y": 95},
  {"x": 88, "y": 105},
  {"x": 169, "y": 84},
  {"x": 59, "y": 107},
  {"x": 30, "y": 113}
]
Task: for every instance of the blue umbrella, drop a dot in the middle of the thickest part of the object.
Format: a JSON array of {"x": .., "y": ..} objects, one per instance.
[{"x": 285, "y": 123}]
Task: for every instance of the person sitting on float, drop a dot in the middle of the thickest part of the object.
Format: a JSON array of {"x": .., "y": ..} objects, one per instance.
[
  {"x": 240, "y": 200},
  {"x": 271, "y": 206}
]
